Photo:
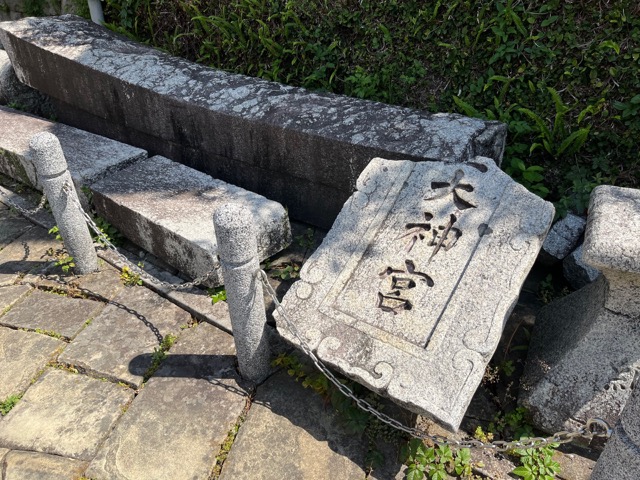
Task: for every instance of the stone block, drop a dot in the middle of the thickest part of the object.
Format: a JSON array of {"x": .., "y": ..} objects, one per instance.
[
  {"x": 410, "y": 289},
  {"x": 134, "y": 323},
  {"x": 14, "y": 92},
  {"x": 90, "y": 157},
  {"x": 562, "y": 239},
  {"x": 167, "y": 208},
  {"x": 22, "y": 356},
  {"x": 52, "y": 313},
  {"x": 584, "y": 354},
  {"x": 576, "y": 272},
  {"x": 174, "y": 428},
  {"x": 64, "y": 414},
  {"x": 13, "y": 225},
  {"x": 9, "y": 295},
  {"x": 40, "y": 466},
  {"x": 29, "y": 253},
  {"x": 289, "y": 433},
  {"x": 302, "y": 149}
]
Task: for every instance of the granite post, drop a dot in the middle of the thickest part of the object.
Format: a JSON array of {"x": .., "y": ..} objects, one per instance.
[
  {"x": 621, "y": 457},
  {"x": 238, "y": 250},
  {"x": 51, "y": 167}
]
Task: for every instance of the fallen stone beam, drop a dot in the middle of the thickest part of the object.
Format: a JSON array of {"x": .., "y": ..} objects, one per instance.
[{"x": 303, "y": 149}]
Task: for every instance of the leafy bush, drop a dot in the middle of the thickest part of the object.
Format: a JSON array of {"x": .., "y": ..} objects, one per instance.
[{"x": 562, "y": 75}]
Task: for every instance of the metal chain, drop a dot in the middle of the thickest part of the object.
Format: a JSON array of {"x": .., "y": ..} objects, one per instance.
[
  {"x": 26, "y": 211},
  {"x": 594, "y": 427},
  {"x": 67, "y": 188}
]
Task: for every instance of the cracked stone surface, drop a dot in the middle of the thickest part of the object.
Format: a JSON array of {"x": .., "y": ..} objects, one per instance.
[
  {"x": 133, "y": 324},
  {"x": 167, "y": 208},
  {"x": 52, "y": 313},
  {"x": 409, "y": 292},
  {"x": 22, "y": 356},
  {"x": 289, "y": 433},
  {"x": 89, "y": 156},
  {"x": 279, "y": 141},
  {"x": 64, "y": 414},
  {"x": 20, "y": 465},
  {"x": 182, "y": 415}
]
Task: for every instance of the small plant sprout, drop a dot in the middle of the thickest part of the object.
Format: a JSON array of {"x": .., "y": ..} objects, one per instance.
[
  {"x": 217, "y": 294},
  {"x": 129, "y": 277},
  {"x": 8, "y": 404}
]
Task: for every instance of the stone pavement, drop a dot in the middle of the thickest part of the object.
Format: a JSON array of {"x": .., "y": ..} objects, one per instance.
[{"x": 97, "y": 398}]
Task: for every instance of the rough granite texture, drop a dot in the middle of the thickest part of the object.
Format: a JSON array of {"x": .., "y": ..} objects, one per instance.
[
  {"x": 409, "y": 291},
  {"x": 64, "y": 414},
  {"x": 584, "y": 355},
  {"x": 20, "y": 465},
  {"x": 53, "y": 174},
  {"x": 563, "y": 238},
  {"x": 182, "y": 415},
  {"x": 12, "y": 91},
  {"x": 576, "y": 272},
  {"x": 52, "y": 313},
  {"x": 90, "y": 157},
  {"x": 300, "y": 148},
  {"x": 236, "y": 234},
  {"x": 167, "y": 208},
  {"x": 621, "y": 457},
  {"x": 22, "y": 356},
  {"x": 133, "y": 324},
  {"x": 289, "y": 433}
]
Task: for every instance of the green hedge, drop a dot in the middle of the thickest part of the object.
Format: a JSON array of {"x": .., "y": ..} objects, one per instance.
[{"x": 562, "y": 74}]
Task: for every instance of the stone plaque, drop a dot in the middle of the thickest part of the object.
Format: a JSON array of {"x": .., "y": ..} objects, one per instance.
[{"x": 409, "y": 292}]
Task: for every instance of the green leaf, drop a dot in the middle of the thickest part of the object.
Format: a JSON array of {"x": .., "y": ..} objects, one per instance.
[
  {"x": 549, "y": 21},
  {"x": 522, "y": 472},
  {"x": 573, "y": 142},
  {"x": 414, "y": 473},
  {"x": 612, "y": 45},
  {"x": 532, "y": 176}
]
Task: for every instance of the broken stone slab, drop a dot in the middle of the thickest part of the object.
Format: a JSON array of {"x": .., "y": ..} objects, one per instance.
[
  {"x": 167, "y": 208},
  {"x": 563, "y": 238},
  {"x": 620, "y": 459},
  {"x": 19, "y": 465},
  {"x": 134, "y": 323},
  {"x": 289, "y": 433},
  {"x": 64, "y": 414},
  {"x": 409, "y": 292},
  {"x": 22, "y": 356},
  {"x": 14, "y": 92},
  {"x": 51, "y": 313},
  {"x": 584, "y": 354},
  {"x": 300, "y": 148},
  {"x": 90, "y": 157},
  {"x": 576, "y": 272},
  {"x": 174, "y": 428}
]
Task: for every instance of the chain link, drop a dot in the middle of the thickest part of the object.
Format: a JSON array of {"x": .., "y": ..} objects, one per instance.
[
  {"x": 594, "y": 427},
  {"x": 67, "y": 188},
  {"x": 24, "y": 211}
]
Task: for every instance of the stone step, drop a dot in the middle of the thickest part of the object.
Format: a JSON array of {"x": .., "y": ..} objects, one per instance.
[
  {"x": 90, "y": 156},
  {"x": 167, "y": 208}
]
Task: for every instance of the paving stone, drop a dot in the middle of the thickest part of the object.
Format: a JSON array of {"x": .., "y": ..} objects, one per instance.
[
  {"x": 289, "y": 433},
  {"x": 52, "y": 313},
  {"x": 576, "y": 272},
  {"x": 133, "y": 324},
  {"x": 64, "y": 414},
  {"x": 167, "y": 208},
  {"x": 409, "y": 292},
  {"x": 27, "y": 253},
  {"x": 562, "y": 239},
  {"x": 22, "y": 356},
  {"x": 174, "y": 428},
  {"x": 9, "y": 295},
  {"x": 28, "y": 201},
  {"x": 40, "y": 466},
  {"x": 3, "y": 452},
  {"x": 279, "y": 141},
  {"x": 89, "y": 156},
  {"x": 13, "y": 225}
]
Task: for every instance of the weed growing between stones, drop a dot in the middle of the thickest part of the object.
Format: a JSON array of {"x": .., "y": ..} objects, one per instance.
[
  {"x": 8, "y": 404},
  {"x": 217, "y": 294},
  {"x": 158, "y": 355},
  {"x": 129, "y": 278}
]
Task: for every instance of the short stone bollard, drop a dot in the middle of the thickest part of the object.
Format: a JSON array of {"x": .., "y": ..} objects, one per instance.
[
  {"x": 584, "y": 355},
  {"x": 621, "y": 457},
  {"x": 238, "y": 250},
  {"x": 53, "y": 175}
]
